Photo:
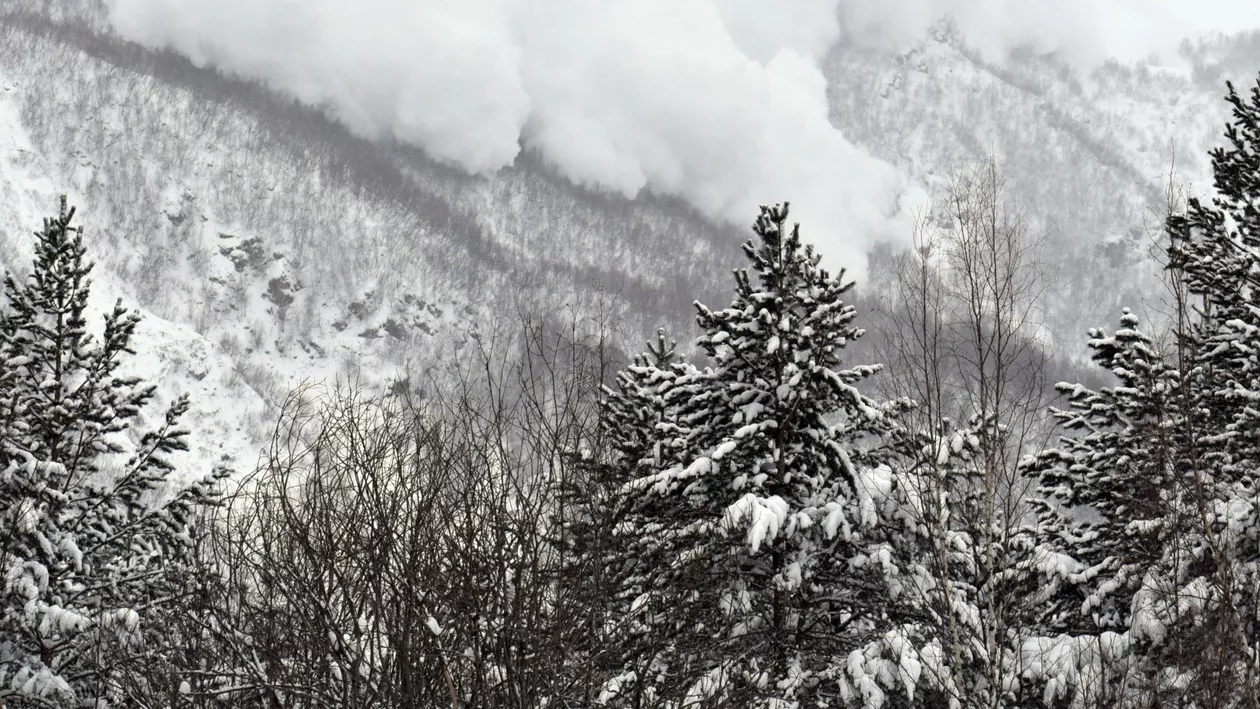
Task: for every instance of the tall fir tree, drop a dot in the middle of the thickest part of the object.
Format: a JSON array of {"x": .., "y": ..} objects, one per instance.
[
  {"x": 763, "y": 579},
  {"x": 1148, "y": 511},
  {"x": 1215, "y": 252},
  {"x": 95, "y": 544}
]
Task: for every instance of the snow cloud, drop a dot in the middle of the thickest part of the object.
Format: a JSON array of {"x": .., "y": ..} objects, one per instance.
[{"x": 719, "y": 102}]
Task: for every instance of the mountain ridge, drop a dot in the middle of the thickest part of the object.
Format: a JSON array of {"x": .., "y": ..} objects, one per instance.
[{"x": 270, "y": 246}]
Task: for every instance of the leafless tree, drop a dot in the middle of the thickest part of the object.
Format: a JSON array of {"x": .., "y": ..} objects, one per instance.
[
  {"x": 960, "y": 339},
  {"x": 391, "y": 551}
]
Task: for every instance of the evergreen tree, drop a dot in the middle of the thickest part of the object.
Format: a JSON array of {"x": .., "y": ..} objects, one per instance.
[
  {"x": 1148, "y": 511},
  {"x": 94, "y": 545},
  {"x": 1110, "y": 512},
  {"x": 756, "y": 521},
  {"x": 1215, "y": 251},
  {"x": 602, "y": 579},
  {"x": 1105, "y": 499},
  {"x": 640, "y": 417}
]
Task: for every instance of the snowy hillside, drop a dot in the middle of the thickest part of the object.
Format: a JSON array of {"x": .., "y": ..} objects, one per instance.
[
  {"x": 1087, "y": 158},
  {"x": 288, "y": 250},
  {"x": 172, "y": 354},
  {"x": 267, "y": 245}
]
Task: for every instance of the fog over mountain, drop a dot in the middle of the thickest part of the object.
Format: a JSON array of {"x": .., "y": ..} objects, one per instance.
[{"x": 1082, "y": 32}]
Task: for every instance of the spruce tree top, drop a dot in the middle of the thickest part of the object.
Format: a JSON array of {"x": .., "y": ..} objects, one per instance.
[
  {"x": 1215, "y": 244},
  {"x": 60, "y": 380},
  {"x": 778, "y": 353},
  {"x": 1102, "y": 497},
  {"x": 1215, "y": 249},
  {"x": 759, "y": 515}
]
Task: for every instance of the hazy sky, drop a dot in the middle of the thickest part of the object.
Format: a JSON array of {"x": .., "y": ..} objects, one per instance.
[
  {"x": 1085, "y": 31},
  {"x": 719, "y": 102}
]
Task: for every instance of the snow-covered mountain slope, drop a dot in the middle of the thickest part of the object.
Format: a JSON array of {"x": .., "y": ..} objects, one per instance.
[
  {"x": 1087, "y": 159},
  {"x": 173, "y": 355},
  {"x": 267, "y": 245},
  {"x": 270, "y": 246}
]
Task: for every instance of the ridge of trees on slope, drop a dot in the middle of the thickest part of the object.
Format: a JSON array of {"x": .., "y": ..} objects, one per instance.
[
  {"x": 253, "y": 159},
  {"x": 774, "y": 526}
]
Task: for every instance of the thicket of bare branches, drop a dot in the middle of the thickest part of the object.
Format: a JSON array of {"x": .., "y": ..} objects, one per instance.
[
  {"x": 394, "y": 552},
  {"x": 959, "y": 339}
]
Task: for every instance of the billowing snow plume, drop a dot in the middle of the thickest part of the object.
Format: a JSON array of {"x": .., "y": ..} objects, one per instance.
[{"x": 719, "y": 102}]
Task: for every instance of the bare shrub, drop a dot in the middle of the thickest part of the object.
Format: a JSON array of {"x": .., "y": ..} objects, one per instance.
[{"x": 400, "y": 553}]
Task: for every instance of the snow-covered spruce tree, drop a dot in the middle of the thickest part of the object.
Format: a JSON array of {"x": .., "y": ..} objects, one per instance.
[
  {"x": 762, "y": 579},
  {"x": 1103, "y": 497},
  {"x": 1215, "y": 251},
  {"x": 1109, "y": 514},
  {"x": 1214, "y": 247},
  {"x": 88, "y": 554},
  {"x": 1149, "y": 511},
  {"x": 640, "y": 415},
  {"x": 605, "y": 577}
]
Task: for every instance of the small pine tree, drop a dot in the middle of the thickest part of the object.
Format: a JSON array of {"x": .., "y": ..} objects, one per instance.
[
  {"x": 90, "y": 552},
  {"x": 640, "y": 418},
  {"x": 755, "y": 519},
  {"x": 1105, "y": 498}
]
